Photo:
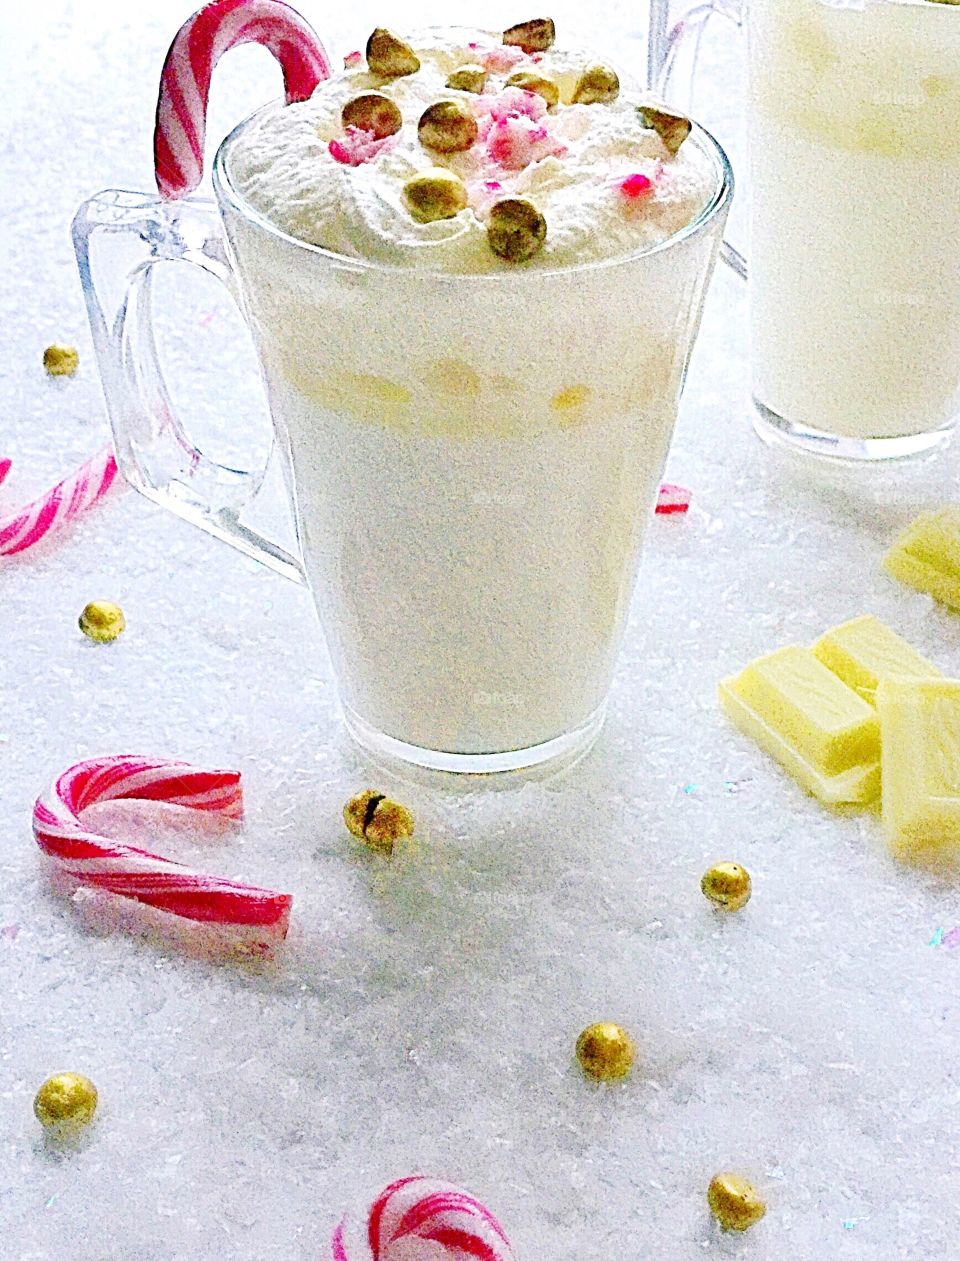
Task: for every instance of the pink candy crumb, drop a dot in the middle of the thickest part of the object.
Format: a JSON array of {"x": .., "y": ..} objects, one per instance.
[
  {"x": 636, "y": 186},
  {"x": 353, "y": 59},
  {"x": 673, "y": 499},
  {"x": 358, "y": 146}
]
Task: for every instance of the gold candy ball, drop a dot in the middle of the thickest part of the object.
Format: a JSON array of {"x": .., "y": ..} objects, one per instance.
[
  {"x": 61, "y": 361},
  {"x": 727, "y": 885},
  {"x": 389, "y": 56},
  {"x": 375, "y": 819},
  {"x": 605, "y": 1051},
  {"x": 735, "y": 1202},
  {"x": 539, "y": 84},
  {"x": 535, "y": 36},
  {"x": 468, "y": 78},
  {"x": 102, "y": 621},
  {"x": 66, "y": 1101}
]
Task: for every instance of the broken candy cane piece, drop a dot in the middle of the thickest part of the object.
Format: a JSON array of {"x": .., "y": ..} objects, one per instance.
[
  {"x": 109, "y": 865},
  {"x": 438, "y": 1216},
  {"x": 673, "y": 498},
  {"x": 60, "y": 505},
  {"x": 5, "y": 466}
]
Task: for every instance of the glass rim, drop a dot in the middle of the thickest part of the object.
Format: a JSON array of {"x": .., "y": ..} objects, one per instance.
[{"x": 227, "y": 193}]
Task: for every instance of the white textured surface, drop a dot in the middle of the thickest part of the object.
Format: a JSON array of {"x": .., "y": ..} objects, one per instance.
[{"x": 424, "y": 1014}]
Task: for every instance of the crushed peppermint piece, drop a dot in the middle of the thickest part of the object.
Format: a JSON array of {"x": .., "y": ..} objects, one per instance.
[
  {"x": 636, "y": 186},
  {"x": 352, "y": 60},
  {"x": 358, "y": 146}
]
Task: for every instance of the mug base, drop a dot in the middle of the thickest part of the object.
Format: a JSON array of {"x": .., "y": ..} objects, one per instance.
[
  {"x": 776, "y": 430},
  {"x": 560, "y": 752}
]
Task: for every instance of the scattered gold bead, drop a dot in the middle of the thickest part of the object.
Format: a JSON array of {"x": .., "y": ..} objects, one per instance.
[
  {"x": 437, "y": 194},
  {"x": 61, "y": 361},
  {"x": 605, "y": 1052},
  {"x": 102, "y": 621},
  {"x": 529, "y": 81},
  {"x": 727, "y": 885},
  {"x": 373, "y": 818},
  {"x": 535, "y": 36},
  {"x": 597, "y": 85},
  {"x": 66, "y": 1101},
  {"x": 468, "y": 78},
  {"x": 735, "y": 1202},
  {"x": 447, "y": 127},
  {"x": 372, "y": 112},
  {"x": 390, "y": 57},
  {"x": 516, "y": 230},
  {"x": 672, "y": 129}
]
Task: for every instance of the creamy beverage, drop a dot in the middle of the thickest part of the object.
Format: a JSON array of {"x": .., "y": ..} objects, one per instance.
[
  {"x": 855, "y": 246},
  {"x": 475, "y": 374}
]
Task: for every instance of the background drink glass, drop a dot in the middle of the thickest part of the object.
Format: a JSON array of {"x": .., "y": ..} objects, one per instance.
[
  {"x": 472, "y": 459},
  {"x": 853, "y": 119}
]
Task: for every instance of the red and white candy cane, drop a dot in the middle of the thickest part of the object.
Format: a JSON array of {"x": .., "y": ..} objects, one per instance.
[
  {"x": 134, "y": 873},
  {"x": 185, "y": 79},
  {"x": 59, "y": 506},
  {"x": 422, "y": 1217}
]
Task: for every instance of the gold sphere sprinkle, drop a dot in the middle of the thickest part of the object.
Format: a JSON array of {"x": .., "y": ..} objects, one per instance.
[
  {"x": 436, "y": 194},
  {"x": 61, "y": 361},
  {"x": 535, "y": 36},
  {"x": 727, "y": 885},
  {"x": 516, "y": 230},
  {"x": 102, "y": 621},
  {"x": 371, "y": 111},
  {"x": 530, "y": 81},
  {"x": 390, "y": 57},
  {"x": 468, "y": 78},
  {"x": 735, "y": 1202},
  {"x": 375, "y": 819},
  {"x": 65, "y": 1101},
  {"x": 605, "y": 1051},
  {"x": 447, "y": 127},
  {"x": 672, "y": 128},
  {"x": 597, "y": 85}
]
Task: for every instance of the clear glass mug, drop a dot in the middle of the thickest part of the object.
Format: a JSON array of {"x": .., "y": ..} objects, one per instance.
[
  {"x": 472, "y": 460},
  {"x": 853, "y": 122}
]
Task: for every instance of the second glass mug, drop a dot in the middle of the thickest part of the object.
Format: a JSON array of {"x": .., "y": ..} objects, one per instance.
[
  {"x": 472, "y": 460},
  {"x": 853, "y": 122}
]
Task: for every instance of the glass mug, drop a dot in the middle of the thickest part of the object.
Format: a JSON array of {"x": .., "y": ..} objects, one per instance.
[
  {"x": 853, "y": 122},
  {"x": 472, "y": 460}
]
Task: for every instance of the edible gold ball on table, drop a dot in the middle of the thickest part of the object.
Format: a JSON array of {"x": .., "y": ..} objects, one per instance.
[
  {"x": 377, "y": 820},
  {"x": 727, "y": 885},
  {"x": 605, "y": 1051},
  {"x": 66, "y": 1101},
  {"x": 102, "y": 621},
  {"x": 61, "y": 361},
  {"x": 735, "y": 1202}
]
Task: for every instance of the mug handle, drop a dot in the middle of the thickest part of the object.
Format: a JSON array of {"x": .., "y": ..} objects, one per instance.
[
  {"x": 120, "y": 239},
  {"x": 672, "y": 53}
]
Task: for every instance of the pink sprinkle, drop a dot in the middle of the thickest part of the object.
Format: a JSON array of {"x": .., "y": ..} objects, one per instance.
[
  {"x": 636, "y": 186},
  {"x": 492, "y": 186},
  {"x": 673, "y": 498},
  {"x": 358, "y": 147},
  {"x": 9, "y": 932},
  {"x": 473, "y": 44},
  {"x": 952, "y": 938},
  {"x": 352, "y": 59}
]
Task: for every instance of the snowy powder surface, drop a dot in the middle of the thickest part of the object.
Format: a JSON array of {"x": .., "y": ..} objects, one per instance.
[{"x": 423, "y": 1015}]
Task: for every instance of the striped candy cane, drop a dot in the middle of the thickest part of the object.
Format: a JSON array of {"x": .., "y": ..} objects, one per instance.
[
  {"x": 134, "y": 873},
  {"x": 185, "y": 79},
  {"x": 424, "y": 1211},
  {"x": 59, "y": 506}
]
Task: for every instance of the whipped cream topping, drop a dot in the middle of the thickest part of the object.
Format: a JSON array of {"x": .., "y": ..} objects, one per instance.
[{"x": 606, "y": 185}]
